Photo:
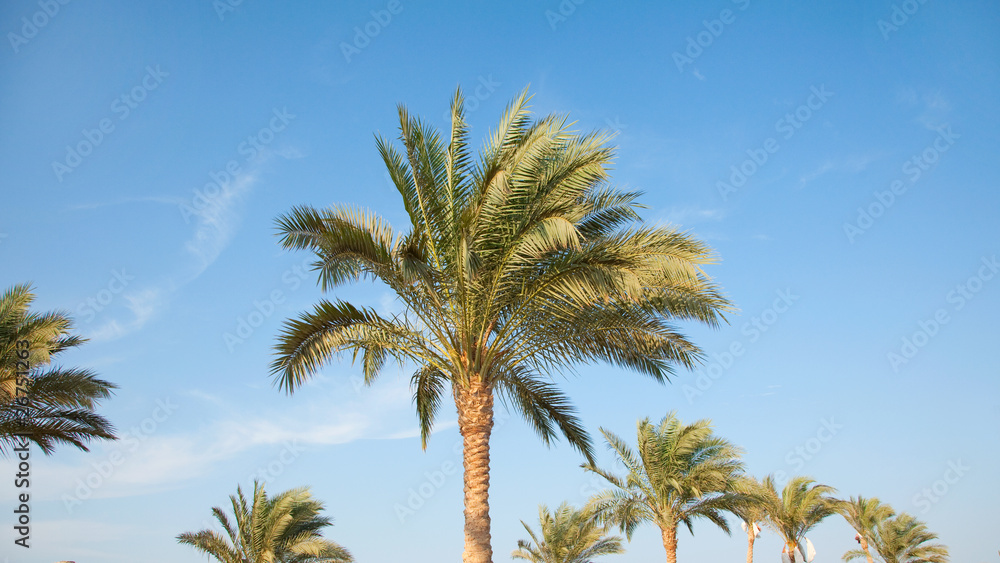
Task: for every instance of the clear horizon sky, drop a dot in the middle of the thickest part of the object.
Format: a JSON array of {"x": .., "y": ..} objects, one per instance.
[{"x": 840, "y": 158}]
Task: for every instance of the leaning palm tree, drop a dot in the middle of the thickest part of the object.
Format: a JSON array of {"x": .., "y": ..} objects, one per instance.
[
  {"x": 567, "y": 535},
  {"x": 801, "y": 505},
  {"x": 680, "y": 473},
  {"x": 40, "y": 403},
  {"x": 516, "y": 265},
  {"x": 865, "y": 515},
  {"x": 903, "y": 539},
  {"x": 750, "y": 505},
  {"x": 284, "y": 528}
]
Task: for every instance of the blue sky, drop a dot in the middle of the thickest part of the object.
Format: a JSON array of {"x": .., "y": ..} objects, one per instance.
[{"x": 840, "y": 157}]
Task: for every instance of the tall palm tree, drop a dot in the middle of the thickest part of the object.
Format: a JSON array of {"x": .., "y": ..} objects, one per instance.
[
  {"x": 865, "y": 515},
  {"x": 516, "y": 264},
  {"x": 284, "y": 528},
  {"x": 750, "y": 506},
  {"x": 40, "y": 403},
  {"x": 567, "y": 535},
  {"x": 680, "y": 473},
  {"x": 801, "y": 505},
  {"x": 903, "y": 539}
]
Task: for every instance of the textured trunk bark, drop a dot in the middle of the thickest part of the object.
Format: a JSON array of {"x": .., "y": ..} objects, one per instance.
[
  {"x": 864, "y": 546},
  {"x": 670, "y": 543},
  {"x": 750, "y": 540},
  {"x": 475, "y": 422}
]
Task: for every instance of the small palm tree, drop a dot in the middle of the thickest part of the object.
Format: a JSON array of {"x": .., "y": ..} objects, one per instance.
[
  {"x": 680, "y": 473},
  {"x": 865, "y": 515},
  {"x": 567, "y": 535},
  {"x": 801, "y": 505},
  {"x": 750, "y": 506},
  {"x": 903, "y": 539},
  {"x": 281, "y": 529},
  {"x": 515, "y": 265},
  {"x": 39, "y": 403}
]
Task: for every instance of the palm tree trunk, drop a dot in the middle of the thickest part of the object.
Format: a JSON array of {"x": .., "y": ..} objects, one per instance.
[
  {"x": 791, "y": 546},
  {"x": 670, "y": 543},
  {"x": 475, "y": 422},
  {"x": 864, "y": 546},
  {"x": 750, "y": 539}
]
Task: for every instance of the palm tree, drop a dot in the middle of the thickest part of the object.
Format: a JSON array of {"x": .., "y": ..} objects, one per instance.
[
  {"x": 865, "y": 515},
  {"x": 281, "y": 529},
  {"x": 566, "y": 536},
  {"x": 903, "y": 539},
  {"x": 801, "y": 505},
  {"x": 750, "y": 506},
  {"x": 39, "y": 403},
  {"x": 679, "y": 473},
  {"x": 517, "y": 264}
]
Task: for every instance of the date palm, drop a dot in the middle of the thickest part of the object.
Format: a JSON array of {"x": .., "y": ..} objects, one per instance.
[
  {"x": 801, "y": 505},
  {"x": 750, "y": 505},
  {"x": 284, "y": 528},
  {"x": 567, "y": 535},
  {"x": 515, "y": 265},
  {"x": 903, "y": 539},
  {"x": 865, "y": 515},
  {"x": 40, "y": 403},
  {"x": 679, "y": 473}
]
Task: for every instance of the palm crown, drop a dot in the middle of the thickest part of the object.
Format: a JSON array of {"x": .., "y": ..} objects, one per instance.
[
  {"x": 44, "y": 404},
  {"x": 865, "y": 515},
  {"x": 680, "y": 473},
  {"x": 800, "y": 505},
  {"x": 566, "y": 535},
  {"x": 515, "y": 265},
  {"x": 284, "y": 528},
  {"x": 903, "y": 539}
]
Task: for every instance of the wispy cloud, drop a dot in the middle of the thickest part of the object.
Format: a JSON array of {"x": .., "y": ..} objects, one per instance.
[
  {"x": 851, "y": 164},
  {"x": 148, "y": 459},
  {"x": 215, "y": 226},
  {"x": 687, "y": 215},
  {"x": 217, "y": 222},
  {"x": 123, "y": 201},
  {"x": 142, "y": 304},
  {"x": 80, "y": 537},
  {"x": 933, "y": 110}
]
